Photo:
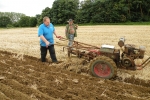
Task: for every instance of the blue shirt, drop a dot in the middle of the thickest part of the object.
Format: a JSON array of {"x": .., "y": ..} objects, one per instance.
[{"x": 47, "y": 32}]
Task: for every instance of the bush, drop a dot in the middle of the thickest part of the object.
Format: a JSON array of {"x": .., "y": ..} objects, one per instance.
[
  {"x": 24, "y": 21},
  {"x": 10, "y": 26},
  {"x": 32, "y": 21},
  {"x": 16, "y": 24},
  {"x": 4, "y": 21}
]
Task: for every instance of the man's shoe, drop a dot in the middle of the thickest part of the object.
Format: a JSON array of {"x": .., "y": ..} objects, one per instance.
[{"x": 57, "y": 62}]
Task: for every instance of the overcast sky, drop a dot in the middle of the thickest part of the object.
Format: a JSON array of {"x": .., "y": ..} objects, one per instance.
[{"x": 28, "y": 7}]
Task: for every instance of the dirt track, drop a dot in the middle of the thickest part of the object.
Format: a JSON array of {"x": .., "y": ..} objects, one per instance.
[{"x": 26, "y": 78}]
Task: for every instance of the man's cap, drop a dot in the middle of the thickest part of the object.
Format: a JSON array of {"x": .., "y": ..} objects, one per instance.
[{"x": 69, "y": 20}]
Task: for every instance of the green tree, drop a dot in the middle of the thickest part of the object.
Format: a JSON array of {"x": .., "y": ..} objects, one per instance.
[
  {"x": 4, "y": 21},
  {"x": 86, "y": 11},
  {"x": 38, "y": 18},
  {"x": 97, "y": 11},
  {"x": 62, "y": 10},
  {"x": 14, "y": 17},
  {"x": 102, "y": 11},
  {"x": 32, "y": 21},
  {"x": 24, "y": 21},
  {"x": 45, "y": 12},
  {"x": 16, "y": 24}
]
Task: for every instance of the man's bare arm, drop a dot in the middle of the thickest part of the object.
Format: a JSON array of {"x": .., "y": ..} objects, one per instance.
[
  {"x": 46, "y": 42},
  {"x": 55, "y": 33},
  {"x": 43, "y": 38}
]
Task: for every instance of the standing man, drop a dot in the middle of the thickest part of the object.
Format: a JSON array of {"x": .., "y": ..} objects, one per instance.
[
  {"x": 45, "y": 32},
  {"x": 71, "y": 32}
]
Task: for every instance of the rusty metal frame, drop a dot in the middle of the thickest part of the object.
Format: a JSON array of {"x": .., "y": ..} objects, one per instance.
[{"x": 77, "y": 46}]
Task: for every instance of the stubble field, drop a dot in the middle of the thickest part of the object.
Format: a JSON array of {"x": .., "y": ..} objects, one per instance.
[{"x": 24, "y": 77}]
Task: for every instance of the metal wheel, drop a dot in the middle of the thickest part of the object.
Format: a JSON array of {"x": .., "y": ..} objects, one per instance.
[
  {"x": 103, "y": 67},
  {"x": 126, "y": 62}
]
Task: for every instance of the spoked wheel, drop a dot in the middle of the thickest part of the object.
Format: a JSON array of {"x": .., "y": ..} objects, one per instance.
[{"x": 103, "y": 67}]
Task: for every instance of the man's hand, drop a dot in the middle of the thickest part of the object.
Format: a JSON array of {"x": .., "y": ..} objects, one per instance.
[
  {"x": 47, "y": 44},
  {"x": 76, "y": 26},
  {"x": 58, "y": 37}
]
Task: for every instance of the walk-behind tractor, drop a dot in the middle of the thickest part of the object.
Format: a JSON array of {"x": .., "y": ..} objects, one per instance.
[{"x": 105, "y": 60}]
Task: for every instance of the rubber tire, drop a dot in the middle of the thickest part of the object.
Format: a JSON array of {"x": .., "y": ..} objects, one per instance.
[{"x": 109, "y": 62}]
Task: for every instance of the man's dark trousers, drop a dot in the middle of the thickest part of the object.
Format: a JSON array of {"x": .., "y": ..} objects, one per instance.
[{"x": 51, "y": 51}]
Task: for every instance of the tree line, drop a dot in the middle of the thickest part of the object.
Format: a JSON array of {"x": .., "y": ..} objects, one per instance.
[
  {"x": 12, "y": 19},
  {"x": 86, "y": 11}
]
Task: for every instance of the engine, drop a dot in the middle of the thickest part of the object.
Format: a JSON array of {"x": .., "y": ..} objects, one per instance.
[{"x": 130, "y": 53}]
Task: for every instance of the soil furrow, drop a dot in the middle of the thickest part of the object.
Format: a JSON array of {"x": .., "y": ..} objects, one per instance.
[
  {"x": 32, "y": 79},
  {"x": 12, "y": 93}
]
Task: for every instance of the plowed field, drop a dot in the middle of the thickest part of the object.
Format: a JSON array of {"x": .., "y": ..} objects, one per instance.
[
  {"x": 24, "y": 77},
  {"x": 29, "y": 79}
]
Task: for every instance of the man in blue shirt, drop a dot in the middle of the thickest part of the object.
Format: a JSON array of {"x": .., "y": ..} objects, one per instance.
[{"x": 45, "y": 32}]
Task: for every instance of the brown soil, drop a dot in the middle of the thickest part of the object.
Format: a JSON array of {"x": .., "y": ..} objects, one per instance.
[{"x": 26, "y": 78}]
